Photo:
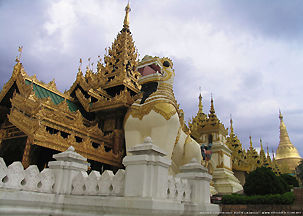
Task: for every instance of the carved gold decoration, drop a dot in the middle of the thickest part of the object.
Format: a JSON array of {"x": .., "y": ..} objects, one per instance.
[
  {"x": 176, "y": 142},
  {"x": 167, "y": 110},
  {"x": 24, "y": 123},
  {"x": 85, "y": 148},
  {"x": 84, "y": 101},
  {"x": 238, "y": 155},
  {"x": 122, "y": 99},
  {"x": 120, "y": 62},
  {"x": 25, "y": 157},
  {"x": 31, "y": 115},
  {"x": 51, "y": 86},
  {"x": 203, "y": 124}
]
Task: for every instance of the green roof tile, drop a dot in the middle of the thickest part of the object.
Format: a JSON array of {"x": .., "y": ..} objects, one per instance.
[{"x": 41, "y": 92}]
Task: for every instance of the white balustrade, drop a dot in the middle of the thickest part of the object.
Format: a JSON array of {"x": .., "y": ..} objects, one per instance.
[{"x": 145, "y": 178}]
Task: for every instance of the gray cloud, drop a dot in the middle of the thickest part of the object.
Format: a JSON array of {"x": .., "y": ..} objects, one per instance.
[{"x": 278, "y": 19}]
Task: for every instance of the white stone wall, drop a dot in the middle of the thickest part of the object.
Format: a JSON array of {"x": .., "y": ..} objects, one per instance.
[{"x": 144, "y": 188}]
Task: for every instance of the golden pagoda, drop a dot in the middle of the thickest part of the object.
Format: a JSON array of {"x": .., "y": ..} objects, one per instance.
[
  {"x": 208, "y": 131},
  {"x": 274, "y": 166},
  {"x": 268, "y": 162},
  {"x": 287, "y": 156},
  {"x": 38, "y": 121},
  {"x": 239, "y": 155},
  {"x": 263, "y": 160},
  {"x": 197, "y": 122},
  {"x": 253, "y": 157}
]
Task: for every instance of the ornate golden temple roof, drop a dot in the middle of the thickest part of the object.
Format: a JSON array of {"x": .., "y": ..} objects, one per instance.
[
  {"x": 121, "y": 61},
  {"x": 115, "y": 84},
  {"x": 88, "y": 116},
  {"x": 287, "y": 154},
  {"x": 238, "y": 155},
  {"x": 252, "y": 156},
  {"x": 263, "y": 160},
  {"x": 203, "y": 123}
]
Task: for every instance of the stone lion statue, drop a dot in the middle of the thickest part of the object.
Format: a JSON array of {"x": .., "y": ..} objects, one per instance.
[{"x": 157, "y": 115}]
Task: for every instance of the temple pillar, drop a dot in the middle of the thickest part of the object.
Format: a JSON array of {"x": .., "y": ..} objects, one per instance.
[
  {"x": 2, "y": 135},
  {"x": 26, "y": 152},
  {"x": 118, "y": 139}
]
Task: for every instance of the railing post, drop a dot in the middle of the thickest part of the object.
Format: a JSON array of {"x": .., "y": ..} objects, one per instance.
[
  {"x": 199, "y": 180},
  {"x": 67, "y": 165},
  {"x": 146, "y": 172}
]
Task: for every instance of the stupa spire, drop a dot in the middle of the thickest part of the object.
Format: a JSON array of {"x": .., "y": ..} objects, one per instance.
[
  {"x": 231, "y": 125},
  {"x": 200, "y": 104},
  {"x": 261, "y": 145},
  {"x": 285, "y": 149},
  {"x": 250, "y": 142},
  {"x": 262, "y": 154},
  {"x": 212, "y": 108},
  {"x": 119, "y": 71},
  {"x": 126, "y": 18}
]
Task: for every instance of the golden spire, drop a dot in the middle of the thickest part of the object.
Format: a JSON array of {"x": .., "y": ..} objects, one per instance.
[
  {"x": 200, "y": 104},
  {"x": 280, "y": 115},
  {"x": 262, "y": 154},
  {"x": 18, "y": 58},
  {"x": 120, "y": 62},
  {"x": 212, "y": 108},
  {"x": 261, "y": 145},
  {"x": 250, "y": 142},
  {"x": 286, "y": 154},
  {"x": 231, "y": 125},
  {"x": 285, "y": 148},
  {"x": 126, "y": 18}
]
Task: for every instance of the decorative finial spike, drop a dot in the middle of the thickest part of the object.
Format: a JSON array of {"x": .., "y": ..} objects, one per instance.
[
  {"x": 126, "y": 18},
  {"x": 212, "y": 108},
  {"x": 250, "y": 142},
  {"x": 200, "y": 104},
  {"x": 231, "y": 125},
  {"x": 280, "y": 115},
  {"x": 20, "y": 49}
]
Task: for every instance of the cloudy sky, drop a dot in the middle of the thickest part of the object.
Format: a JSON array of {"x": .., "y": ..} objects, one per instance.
[{"x": 248, "y": 54}]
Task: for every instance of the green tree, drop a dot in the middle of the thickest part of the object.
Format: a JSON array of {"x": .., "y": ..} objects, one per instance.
[
  {"x": 264, "y": 181},
  {"x": 290, "y": 180}
]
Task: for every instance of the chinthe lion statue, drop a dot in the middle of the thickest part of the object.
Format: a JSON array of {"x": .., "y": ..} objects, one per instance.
[{"x": 157, "y": 115}]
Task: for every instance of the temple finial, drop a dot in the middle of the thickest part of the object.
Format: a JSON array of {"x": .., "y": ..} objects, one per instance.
[
  {"x": 126, "y": 18},
  {"x": 18, "y": 58},
  {"x": 261, "y": 144},
  {"x": 250, "y": 142},
  {"x": 231, "y": 125},
  {"x": 212, "y": 108},
  {"x": 200, "y": 104},
  {"x": 280, "y": 115}
]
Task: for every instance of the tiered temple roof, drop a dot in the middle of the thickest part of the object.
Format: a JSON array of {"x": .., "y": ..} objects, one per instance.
[
  {"x": 37, "y": 120},
  {"x": 203, "y": 123},
  {"x": 238, "y": 155},
  {"x": 242, "y": 160}
]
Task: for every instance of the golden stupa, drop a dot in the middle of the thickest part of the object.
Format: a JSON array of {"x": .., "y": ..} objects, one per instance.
[{"x": 287, "y": 155}]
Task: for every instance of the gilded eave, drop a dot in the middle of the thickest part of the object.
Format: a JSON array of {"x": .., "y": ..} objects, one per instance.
[{"x": 33, "y": 115}]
